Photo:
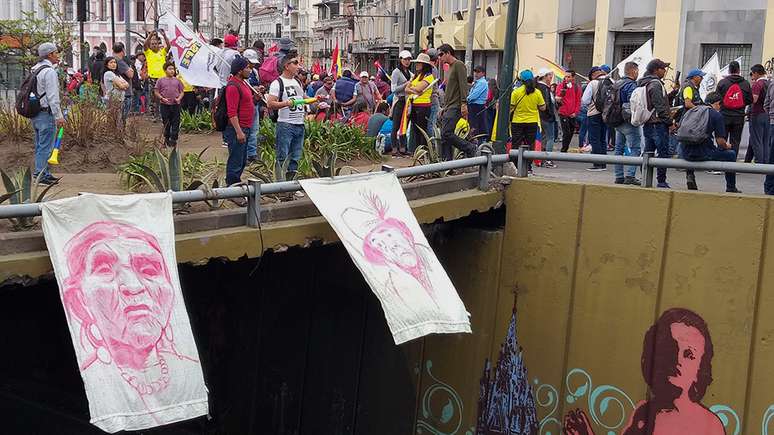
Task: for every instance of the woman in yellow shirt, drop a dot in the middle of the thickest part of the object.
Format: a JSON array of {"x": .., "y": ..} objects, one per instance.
[
  {"x": 526, "y": 104},
  {"x": 419, "y": 92}
]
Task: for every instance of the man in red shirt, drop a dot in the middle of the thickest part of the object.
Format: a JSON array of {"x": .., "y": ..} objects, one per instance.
[
  {"x": 568, "y": 97},
  {"x": 758, "y": 146},
  {"x": 240, "y": 110}
]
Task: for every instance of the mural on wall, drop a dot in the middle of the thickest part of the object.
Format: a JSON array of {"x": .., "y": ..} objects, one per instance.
[
  {"x": 506, "y": 405},
  {"x": 676, "y": 364}
]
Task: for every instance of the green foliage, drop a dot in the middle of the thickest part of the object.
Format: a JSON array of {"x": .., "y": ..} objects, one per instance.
[
  {"x": 28, "y": 32},
  {"x": 14, "y": 126},
  {"x": 22, "y": 188},
  {"x": 427, "y": 154},
  {"x": 199, "y": 122},
  {"x": 171, "y": 171}
]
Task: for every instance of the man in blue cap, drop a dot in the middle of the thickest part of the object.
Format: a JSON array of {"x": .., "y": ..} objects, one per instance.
[{"x": 689, "y": 94}]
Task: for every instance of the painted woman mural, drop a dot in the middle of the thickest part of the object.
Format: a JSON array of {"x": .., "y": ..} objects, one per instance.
[{"x": 677, "y": 366}]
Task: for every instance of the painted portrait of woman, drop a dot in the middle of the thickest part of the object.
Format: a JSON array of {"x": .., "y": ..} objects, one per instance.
[{"x": 676, "y": 364}]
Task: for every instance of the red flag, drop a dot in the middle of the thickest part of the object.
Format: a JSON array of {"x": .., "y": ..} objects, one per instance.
[{"x": 335, "y": 62}]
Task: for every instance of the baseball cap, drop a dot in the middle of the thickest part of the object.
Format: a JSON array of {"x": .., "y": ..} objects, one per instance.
[
  {"x": 364, "y": 74},
  {"x": 696, "y": 72},
  {"x": 230, "y": 40},
  {"x": 405, "y": 54},
  {"x": 251, "y": 55},
  {"x": 657, "y": 64},
  {"x": 544, "y": 72},
  {"x": 605, "y": 68},
  {"x": 46, "y": 48},
  {"x": 594, "y": 69},
  {"x": 526, "y": 75},
  {"x": 238, "y": 64}
]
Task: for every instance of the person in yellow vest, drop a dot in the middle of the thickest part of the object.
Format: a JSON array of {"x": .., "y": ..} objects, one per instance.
[
  {"x": 189, "y": 102},
  {"x": 419, "y": 93},
  {"x": 155, "y": 59}
]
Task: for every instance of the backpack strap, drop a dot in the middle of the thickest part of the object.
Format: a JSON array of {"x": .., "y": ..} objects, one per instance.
[{"x": 35, "y": 73}]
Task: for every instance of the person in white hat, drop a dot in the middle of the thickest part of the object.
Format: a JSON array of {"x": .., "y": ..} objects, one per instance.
[
  {"x": 50, "y": 117},
  {"x": 367, "y": 90},
  {"x": 548, "y": 116},
  {"x": 419, "y": 92},
  {"x": 401, "y": 76}
]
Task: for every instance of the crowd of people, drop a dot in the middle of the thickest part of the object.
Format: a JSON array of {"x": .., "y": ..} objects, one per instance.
[{"x": 427, "y": 95}]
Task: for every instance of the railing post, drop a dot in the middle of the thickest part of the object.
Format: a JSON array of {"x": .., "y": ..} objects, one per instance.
[
  {"x": 484, "y": 170},
  {"x": 253, "y": 202},
  {"x": 647, "y": 169},
  {"x": 521, "y": 162}
]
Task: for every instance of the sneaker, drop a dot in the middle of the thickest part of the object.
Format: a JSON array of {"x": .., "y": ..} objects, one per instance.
[
  {"x": 733, "y": 190},
  {"x": 663, "y": 185},
  {"x": 299, "y": 194},
  {"x": 714, "y": 172},
  {"x": 619, "y": 181},
  {"x": 632, "y": 181},
  {"x": 596, "y": 168},
  {"x": 549, "y": 164},
  {"x": 48, "y": 181},
  {"x": 692, "y": 185},
  {"x": 586, "y": 149}
]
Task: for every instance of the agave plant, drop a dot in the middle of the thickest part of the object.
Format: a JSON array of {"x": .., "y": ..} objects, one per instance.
[
  {"x": 169, "y": 175},
  {"x": 22, "y": 188}
]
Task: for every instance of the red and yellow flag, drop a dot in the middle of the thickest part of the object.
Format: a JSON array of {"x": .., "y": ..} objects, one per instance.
[{"x": 336, "y": 62}]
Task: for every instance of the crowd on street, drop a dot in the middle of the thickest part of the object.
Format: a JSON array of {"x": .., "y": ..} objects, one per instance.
[{"x": 427, "y": 95}]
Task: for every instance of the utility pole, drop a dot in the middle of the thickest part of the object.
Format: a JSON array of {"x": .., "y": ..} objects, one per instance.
[
  {"x": 417, "y": 24},
  {"x": 506, "y": 77},
  {"x": 471, "y": 32},
  {"x": 195, "y": 17},
  {"x": 247, "y": 23},
  {"x": 402, "y": 25},
  {"x": 113, "y": 22},
  {"x": 127, "y": 35}
]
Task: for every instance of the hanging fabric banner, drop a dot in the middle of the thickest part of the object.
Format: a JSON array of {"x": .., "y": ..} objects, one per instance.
[
  {"x": 374, "y": 221},
  {"x": 114, "y": 260}
]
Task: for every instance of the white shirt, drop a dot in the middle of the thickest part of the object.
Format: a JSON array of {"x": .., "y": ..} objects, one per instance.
[{"x": 290, "y": 115}]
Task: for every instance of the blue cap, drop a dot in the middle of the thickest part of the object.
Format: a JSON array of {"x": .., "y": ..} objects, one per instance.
[
  {"x": 696, "y": 72},
  {"x": 593, "y": 70},
  {"x": 605, "y": 68},
  {"x": 526, "y": 75}
]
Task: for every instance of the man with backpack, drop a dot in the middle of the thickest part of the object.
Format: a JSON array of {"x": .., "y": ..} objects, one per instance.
[
  {"x": 594, "y": 98},
  {"x": 284, "y": 96},
  {"x": 699, "y": 126},
  {"x": 737, "y": 95},
  {"x": 39, "y": 100},
  {"x": 231, "y": 42},
  {"x": 618, "y": 115},
  {"x": 656, "y": 128},
  {"x": 240, "y": 112},
  {"x": 548, "y": 116},
  {"x": 344, "y": 91},
  {"x": 759, "y": 119}
]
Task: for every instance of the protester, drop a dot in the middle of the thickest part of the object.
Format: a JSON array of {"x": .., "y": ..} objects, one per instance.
[
  {"x": 568, "y": 97},
  {"x": 50, "y": 117},
  {"x": 97, "y": 66},
  {"x": 548, "y": 116},
  {"x": 344, "y": 92},
  {"x": 737, "y": 95},
  {"x": 289, "y": 141},
  {"x": 628, "y": 137},
  {"x": 704, "y": 149},
  {"x": 656, "y": 130},
  {"x": 253, "y": 57},
  {"x": 526, "y": 103},
  {"x": 377, "y": 120},
  {"x": 768, "y": 106},
  {"x": 302, "y": 77},
  {"x": 138, "y": 82},
  {"x": 367, "y": 90},
  {"x": 455, "y": 106},
  {"x": 437, "y": 95},
  {"x": 477, "y": 103},
  {"x": 113, "y": 85},
  {"x": 382, "y": 85},
  {"x": 260, "y": 49},
  {"x": 360, "y": 115},
  {"x": 313, "y": 87},
  {"x": 170, "y": 92},
  {"x": 759, "y": 119},
  {"x": 240, "y": 110},
  {"x": 155, "y": 59},
  {"x": 420, "y": 92},
  {"x": 127, "y": 73},
  {"x": 596, "y": 129},
  {"x": 690, "y": 96},
  {"x": 401, "y": 78},
  {"x": 323, "y": 94},
  {"x": 227, "y": 55}
]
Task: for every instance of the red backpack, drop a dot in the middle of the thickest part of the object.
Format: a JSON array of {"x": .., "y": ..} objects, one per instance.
[
  {"x": 734, "y": 99},
  {"x": 269, "y": 70}
]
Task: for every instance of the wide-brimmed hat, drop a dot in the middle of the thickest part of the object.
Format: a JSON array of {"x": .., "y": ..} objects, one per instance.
[{"x": 423, "y": 58}]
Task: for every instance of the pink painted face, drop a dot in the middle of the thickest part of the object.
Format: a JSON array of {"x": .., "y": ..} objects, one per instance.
[
  {"x": 392, "y": 243},
  {"x": 690, "y": 350},
  {"x": 127, "y": 291}
]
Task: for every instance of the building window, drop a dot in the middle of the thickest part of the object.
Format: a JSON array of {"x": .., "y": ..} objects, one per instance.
[
  {"x": 727, "y": 53},
  {"x": 103, "y": 7},
  {"x": 186, "y": 9},
  {"x": 120, "y": 12},
  {"x": 578, "y": 51},
  {"x": 140, "y": 10},
  {"x": 411, "y": 21},
  {"x": 68, "y": 10},
  {"x": 627, "y": 43}
]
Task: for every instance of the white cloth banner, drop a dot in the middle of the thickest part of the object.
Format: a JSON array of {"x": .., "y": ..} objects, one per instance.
[
  {"x": 375, "y": 223},
  {"x": 711, "y": 76},
  {"x": 641, "y": 57},
  {"x": 114, "y": 260},
  {"x": 195, "y": 59},
  {"x": 724, "y": 70}
]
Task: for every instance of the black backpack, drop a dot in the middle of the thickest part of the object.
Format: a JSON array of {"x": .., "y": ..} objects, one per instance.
[
  {"x": 604, "y": 88},
  {"x": 274, "y": 115},
  {"x": 220, "y": 113},
  {"x": 612, "y": 109},
  {"x": 28, "y": 100}
]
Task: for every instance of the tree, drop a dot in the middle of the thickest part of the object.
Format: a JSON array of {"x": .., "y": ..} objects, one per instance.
[{"x": 19, "y": 39}]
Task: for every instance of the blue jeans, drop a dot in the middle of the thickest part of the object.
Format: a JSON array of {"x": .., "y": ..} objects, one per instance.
[
  {"x": 596, "y": 132},
  {"x": 431, "y": 120},
  {"x": 289, "y": 144},
  {"x": 45, "y": 134},
  {"x": 237, "y": 154},
  {"x": 712, "y": 153},
  {"x": 768, "y": 184},
  {"x": 477, "y": 116},
  {"x": 759, "y": 137},
  {"x": 548, "y": 130},
  {"x": 583, "y": 130},
  {"x": 252, "y": 140},
  {"x": 627, "y": 143},
  {"x": 126, "y": 106},
  {"x": 657, "y": 139}
]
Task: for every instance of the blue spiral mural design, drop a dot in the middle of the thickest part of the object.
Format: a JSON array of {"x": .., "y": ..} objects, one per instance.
[{"x": 447, "y": 420}]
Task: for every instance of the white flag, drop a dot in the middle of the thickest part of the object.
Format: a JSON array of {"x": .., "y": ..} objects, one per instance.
[
  {"x": 724, "y": 70},
  {"x": 641, "y": 57},
  {"x": 195, "y": 59},
  {"x": 712, "y": 76}
]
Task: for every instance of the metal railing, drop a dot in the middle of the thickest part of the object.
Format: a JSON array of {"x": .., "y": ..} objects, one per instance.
[{"x": 253, "y": 189}]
